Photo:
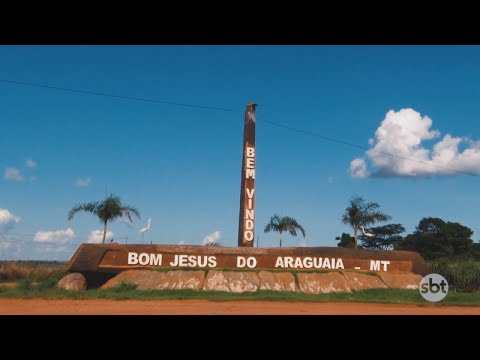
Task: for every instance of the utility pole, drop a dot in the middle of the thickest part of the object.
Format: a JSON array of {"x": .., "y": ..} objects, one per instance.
[{"x": 246, "y": 219}]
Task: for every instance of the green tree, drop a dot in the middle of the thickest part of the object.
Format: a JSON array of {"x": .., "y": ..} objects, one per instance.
[
  {"x": 384, "y": 237},
  {"x": 476, "y": 251},
  {"x": 284, "y": 224},
  {"x": 346, "y": 241},
  {"x": 435, "y": 238},
  {"x": 107, "y": 210},
  {"x": 360, "y": 213}
]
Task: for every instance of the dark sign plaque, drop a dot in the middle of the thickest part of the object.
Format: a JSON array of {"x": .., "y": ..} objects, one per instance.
[{"x": 114, "y": 258}]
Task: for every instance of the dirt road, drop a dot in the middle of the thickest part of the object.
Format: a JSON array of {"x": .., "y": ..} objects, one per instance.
[{"x": 205, "y": 307}]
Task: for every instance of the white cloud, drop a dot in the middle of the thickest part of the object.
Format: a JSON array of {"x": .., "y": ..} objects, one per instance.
[
  {"x": 58, "y": 236},
  {"x": 13, "y": 174},
  {"x": 403, "y": 134},
  {"x": 96, "y": 236},
  {"x": 31, "y": 164},
  {"x": 7, "y": 220},
  {"x": 83, "y": 182},
  {"x": 181, "y": 242},
  {"x": 21, "y": 247},
  {"x": 358, "y": 169},
  {"x": 33, "y": 179},
  {"x": 212, "y": 238}
]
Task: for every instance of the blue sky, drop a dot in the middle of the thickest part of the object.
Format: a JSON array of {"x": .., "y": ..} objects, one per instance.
[{"x": 181, "y": 166}]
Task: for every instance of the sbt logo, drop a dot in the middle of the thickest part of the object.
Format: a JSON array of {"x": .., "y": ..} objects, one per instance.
[{"x": 433, "y": 287}]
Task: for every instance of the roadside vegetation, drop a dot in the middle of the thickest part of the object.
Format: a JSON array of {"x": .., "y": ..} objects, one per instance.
[
  {"x": 447, "y": 246},
  {"x": 462, "y": 275},
  {"x": 33, "y": 271}
]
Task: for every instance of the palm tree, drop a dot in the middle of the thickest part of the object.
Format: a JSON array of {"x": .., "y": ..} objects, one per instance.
[
  {"x": 284, "y": 224},
  {"x": 107, "y": 211},
  {"x": 359, "y": 213}
]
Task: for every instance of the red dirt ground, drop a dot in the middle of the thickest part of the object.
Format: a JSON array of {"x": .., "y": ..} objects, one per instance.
[{"x": 205, "y": 307}]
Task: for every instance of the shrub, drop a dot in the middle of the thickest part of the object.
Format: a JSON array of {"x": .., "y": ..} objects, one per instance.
[
  {"x": 48, "y": 283},
  {"x": 124, "y": 286},
  {"x": 462, "y": 275},
  {"x": 24, "y": 285}
]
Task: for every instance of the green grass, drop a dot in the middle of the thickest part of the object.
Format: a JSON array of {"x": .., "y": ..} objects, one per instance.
[{"x": 127, "y": 292}]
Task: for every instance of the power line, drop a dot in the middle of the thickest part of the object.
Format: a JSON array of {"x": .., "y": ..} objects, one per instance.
[
  {"x": 118, "y": 96},
  {"x": 305, "y": 132}
]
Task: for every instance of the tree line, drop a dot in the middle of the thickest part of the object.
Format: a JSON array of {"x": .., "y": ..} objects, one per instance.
[{"x": 433, "y": 237}]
